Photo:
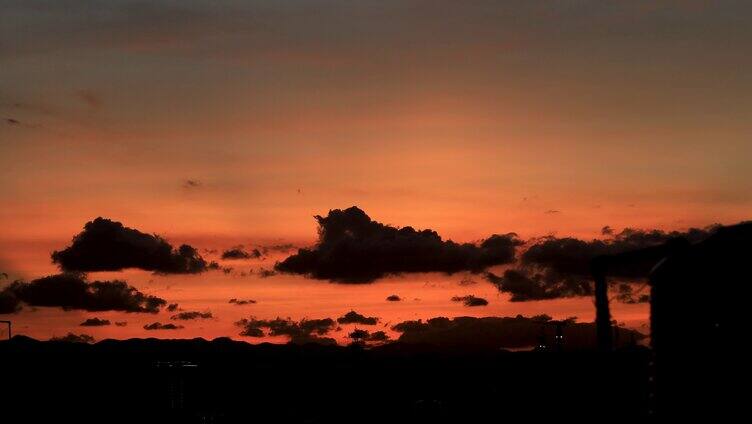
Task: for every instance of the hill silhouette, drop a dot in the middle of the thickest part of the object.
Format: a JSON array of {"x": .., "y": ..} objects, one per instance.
[{"x": 227, "y": 381}]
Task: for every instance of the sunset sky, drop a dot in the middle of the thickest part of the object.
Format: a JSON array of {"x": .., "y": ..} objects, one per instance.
[{"x": 233, "y": 123}]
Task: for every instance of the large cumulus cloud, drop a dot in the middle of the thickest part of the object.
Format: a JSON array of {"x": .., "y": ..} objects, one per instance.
[
  {"x": 72, "y": 291},
  {"x": 106, "y": 245},
  {"x": 353, "y": 248}
]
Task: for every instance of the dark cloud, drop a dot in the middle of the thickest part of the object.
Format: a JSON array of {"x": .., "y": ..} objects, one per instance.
[
  {"x": 393, "y": 298},
  {"x": 364, "y": 336},
  {"x": 378, "y": 336},
  {"x": 106, "y": 245},
  {"x": 74, "y": 338},
  {"x": 238, "y": 252},
  {"x": 72, "y": 291},
  {"x": 304, "y": 331},
  {"x": 552, "y": 212},
  {"x": 160, "y": 326},
  {"x": 352, "y": 248},
  {"x": 524, "y": 286},
  {"x": 121, "y": 323},
  {"x": 265, "y": 273},
  {"x": 353, "y": 317},
  {"x": 318, "y": 326},
  {"x": 94, "y": 322},
  {"x": 251, "y": 331},
  {"x": 626, "y": 294},
  {"x": 172, "y": 307},
  {"x": 359, "y": 334},
  {"x": 542, "y": 317},
  {"x": 501, "y": 332},
  {"x": 241, "y": 302},
  {"x": 467, "y": 282},
  {"x": 281, "y": 248},
  {"x": 555, "y": 267},
  {"x": 11, "y": 121},
  {"x": 188, "y": 315},
  {"x": 571, "y": 256},
  {"x": 470, "y": 300}
]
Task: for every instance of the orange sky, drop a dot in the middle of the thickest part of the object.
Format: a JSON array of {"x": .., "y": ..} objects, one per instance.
[{"x": 469, "y": 120}]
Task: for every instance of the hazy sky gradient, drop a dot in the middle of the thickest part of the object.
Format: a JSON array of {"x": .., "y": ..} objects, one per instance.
[{"x": 470, "y": 119}]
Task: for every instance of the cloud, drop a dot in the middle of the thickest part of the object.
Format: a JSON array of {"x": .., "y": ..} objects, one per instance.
[
  {"x": 265, "y": 273},
  {"x": 121, "y": 323},
  {"x": 106, "y": 245},
  {"x": 393, "y": 298},
  {"x": 191, "y": 184},
  {"x": 252, "y": 331},
  {"x": 470, "y": 333},
  {"x": 238, "y": 252},
  {"x": 378, "y": 336},
  {"x": 555, "y": 267},
  {"x": 626, "y": 294},
  {"x": 191, "y": 315},
  {"x": 301, "y": 332},
  {"x": 364, "y": 336},
  {"x": 571, "y": 256},
  {"x": 74, "y": 338},
  {"x": 12, "y": 121},
  {"x": 318, "y": 326},
  {"x": 359, "y": 334},
  {"x": 353, "y": 317},
  {"x": 72, "y": 291},
  {"x": 160, "y": 326},
  {"x": 524, "y": 287},
  {"x": 281, "y": 248},
  {"x": 352, "y": 248},
  {"x": 94, "y": 322},
  {"x": 470, "y": 300},
  {"x": 241, "y": 302},
  {"x": 172, "y": 307},
  {"x": 467, "y": 282}
]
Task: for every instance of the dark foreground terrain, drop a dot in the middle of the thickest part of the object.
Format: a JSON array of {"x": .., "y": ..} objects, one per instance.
[{"x": 224, "y": 381}]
